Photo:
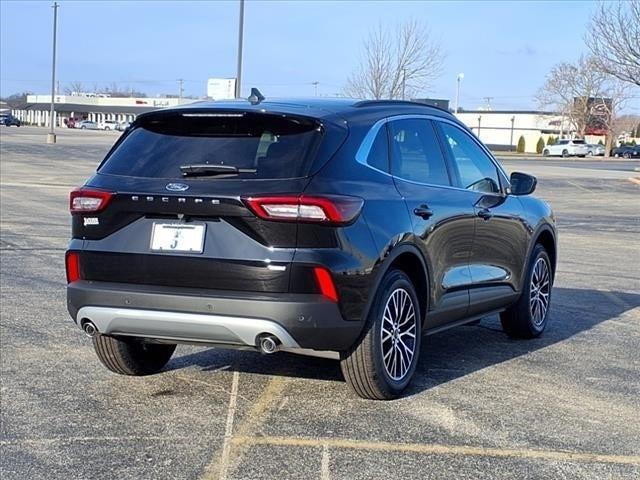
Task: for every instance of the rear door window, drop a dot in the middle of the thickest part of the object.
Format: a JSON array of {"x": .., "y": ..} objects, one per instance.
[
  {"x": 259, "y": 145},
  {"x": 415, "y": 152}
]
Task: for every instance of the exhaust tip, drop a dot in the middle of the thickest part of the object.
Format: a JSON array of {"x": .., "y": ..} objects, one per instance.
[
  {"x": 269, "y": 344},
  {"x": 90, "y": 329}
]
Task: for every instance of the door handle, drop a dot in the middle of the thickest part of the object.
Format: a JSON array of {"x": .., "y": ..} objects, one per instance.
[
  {"x": 423, "y": 211},
  {"x": 485, "y": 214}
]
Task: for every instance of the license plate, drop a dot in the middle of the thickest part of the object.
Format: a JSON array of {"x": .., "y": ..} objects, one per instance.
[{"x": 177, "y": 237}]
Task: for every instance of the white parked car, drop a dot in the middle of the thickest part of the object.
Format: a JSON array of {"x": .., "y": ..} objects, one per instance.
[
  {"x": 595, "y": 150},
  {"x": 107, "y": 125},
  {"x": 122, "y": 126},
  {"x": 86, "y": 125},
  {"x": 566, "y": 148}
]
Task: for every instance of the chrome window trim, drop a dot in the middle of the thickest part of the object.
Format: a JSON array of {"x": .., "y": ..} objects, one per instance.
[{"x": 365, "y": 148}]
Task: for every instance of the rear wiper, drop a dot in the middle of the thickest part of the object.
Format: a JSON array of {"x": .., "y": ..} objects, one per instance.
[{"x": 206, "y": 170}]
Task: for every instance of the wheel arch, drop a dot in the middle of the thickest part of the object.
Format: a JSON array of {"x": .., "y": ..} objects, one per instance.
[
  {"x": 546, "y": 237},
  {"x": 408, "y": 259}
]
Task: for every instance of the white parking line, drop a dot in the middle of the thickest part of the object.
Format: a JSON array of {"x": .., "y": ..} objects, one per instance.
[
  {"x": 324, "y": 463},
  {"x": 228, "y": 431},
  {"x": 441, "y": 449},
  {"x": 38, "y": 185},
  {"x": 579, "y": 186}
]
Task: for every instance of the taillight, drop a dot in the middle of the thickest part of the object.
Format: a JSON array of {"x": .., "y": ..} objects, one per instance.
[
  {"x": 325, "y": 283},
  {"x": 85, "y": 200},
  {"x": 330, "y": 209},
  {"x": 72, "y": 262}
]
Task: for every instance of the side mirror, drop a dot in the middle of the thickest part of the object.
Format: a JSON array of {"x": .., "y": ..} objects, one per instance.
[{"x": 522, "y": 183}]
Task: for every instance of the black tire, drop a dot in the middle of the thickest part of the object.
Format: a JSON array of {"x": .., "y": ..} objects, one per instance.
[
  {"x": 545, "y": 153},
  {"x": 83, "y": 128},
  {"x": 626, "y": 155},
  {"x": 107, "y": 128},
  {"x": 132, "y": 356},
  {"x": 565, "y": 153},
  {"x": 518, "y": 321},
  {"x": 363, "y": 365}
]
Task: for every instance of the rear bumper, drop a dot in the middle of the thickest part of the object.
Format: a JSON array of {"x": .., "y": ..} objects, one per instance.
[{"x": 306, "y": 321}]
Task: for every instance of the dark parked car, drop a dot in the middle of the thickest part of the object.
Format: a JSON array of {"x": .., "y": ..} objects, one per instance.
[
  {"x": 626, "y": 151},
  {"x": 346, "y": 226},
  {"x": 9, "y": 120}
]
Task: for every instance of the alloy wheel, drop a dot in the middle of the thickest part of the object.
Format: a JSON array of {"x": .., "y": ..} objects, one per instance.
[
  {"x": 540, "y": 290},
  {"x": 398, "y": 334}
]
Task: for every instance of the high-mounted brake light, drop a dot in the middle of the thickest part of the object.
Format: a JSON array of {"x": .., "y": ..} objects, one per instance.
[
  {"x": 85, "y": 200},
  {"x": 330, "y": 209},
  {"x": 325, "y": 283},
  {"x": 72, "y": 263}
]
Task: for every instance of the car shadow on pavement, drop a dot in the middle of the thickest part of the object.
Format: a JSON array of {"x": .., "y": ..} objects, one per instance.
[{"x": 444, "y": 356}]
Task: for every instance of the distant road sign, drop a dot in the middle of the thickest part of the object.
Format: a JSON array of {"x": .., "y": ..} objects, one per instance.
[{"x": 221, "y": 88}]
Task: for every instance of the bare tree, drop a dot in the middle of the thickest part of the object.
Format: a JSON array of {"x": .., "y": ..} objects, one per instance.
[
  {"x": 626, "y": 124},
  {"x": 585, "y": 95},
  {"x": 73, "y": 87},
  {"x": 396, "y": 64},
  {"x": 613, "y": 36}
]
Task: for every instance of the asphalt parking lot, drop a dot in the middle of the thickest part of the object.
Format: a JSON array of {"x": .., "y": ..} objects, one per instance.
[{"x": 481, "y": 405}]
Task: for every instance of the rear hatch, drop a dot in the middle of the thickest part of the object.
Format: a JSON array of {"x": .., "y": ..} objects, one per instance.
[{"x": 174, "y": 194}]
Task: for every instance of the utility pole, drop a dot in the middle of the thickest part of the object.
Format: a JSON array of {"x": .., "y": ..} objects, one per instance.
[
  {"x": 181, "y": 90},
  {"x": 240, "y": 38},
  {"x": 458, "y": 79},
  {"x": 488, "y": 99},
  {"x": 51, "y": 137},
  {"x": 479, "y": 120},
  {"x": 315, "y": 84}
]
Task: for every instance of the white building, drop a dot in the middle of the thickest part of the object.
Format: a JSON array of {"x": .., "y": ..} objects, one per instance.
[
  {"x": 501, "y": 130},
  {"x": 36, "y": 110}
]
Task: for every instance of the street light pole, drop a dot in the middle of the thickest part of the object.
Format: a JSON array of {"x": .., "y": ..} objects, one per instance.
[
  {"x": 513, "y": 119},
  {"x": 315, "y": 85},
  {"x": 51, "y": 137},
  {"x": 240, "y": 38},
  {"x": 458, "y": 79}
]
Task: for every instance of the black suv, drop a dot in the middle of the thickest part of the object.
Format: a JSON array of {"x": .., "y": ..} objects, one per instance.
[
  {"x": 626, "y": 151},
  {"x": 342, "y": 226}
]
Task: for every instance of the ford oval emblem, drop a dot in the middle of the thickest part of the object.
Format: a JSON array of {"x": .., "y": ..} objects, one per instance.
[{"x": 176, "y": 187}]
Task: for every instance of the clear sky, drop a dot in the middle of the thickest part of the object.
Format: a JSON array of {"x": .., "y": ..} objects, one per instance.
[{"x": 504, "y": 48}]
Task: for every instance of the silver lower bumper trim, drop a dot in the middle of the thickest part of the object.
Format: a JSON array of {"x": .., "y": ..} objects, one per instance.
[{"x": 189, "y": 327}]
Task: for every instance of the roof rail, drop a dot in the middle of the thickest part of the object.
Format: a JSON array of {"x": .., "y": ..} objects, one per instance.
[{"x": 408, "y": 103}]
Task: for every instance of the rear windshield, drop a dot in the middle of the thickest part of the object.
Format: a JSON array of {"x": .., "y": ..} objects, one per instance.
[
  {"x": 259, "y": 145},
  {"x": 579, "y": 142}
]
